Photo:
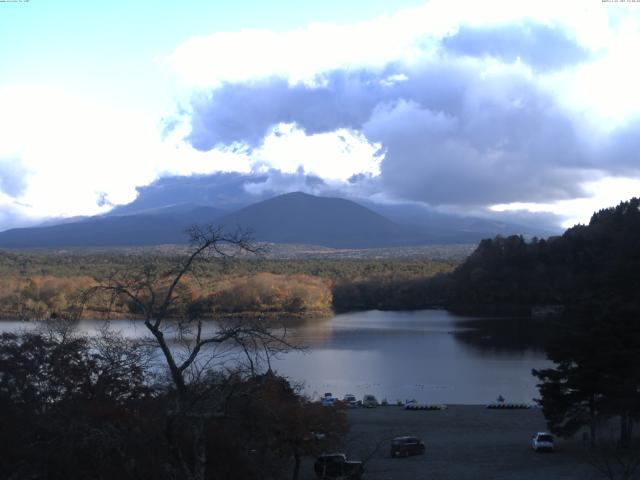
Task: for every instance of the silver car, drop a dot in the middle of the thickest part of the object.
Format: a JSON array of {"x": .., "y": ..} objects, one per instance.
[{"x": 542, "y": 442}]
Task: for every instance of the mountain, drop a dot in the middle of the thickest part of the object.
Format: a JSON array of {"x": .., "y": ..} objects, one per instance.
[
  {"x": 290, "y": 218},
  {"x": 294, "y": 218},
  {"x": 330, "y": 222},
  {"x": 233, "y": 191},
  {"x": 165, "y": 226},
  {"x": 440, "y": 228}
]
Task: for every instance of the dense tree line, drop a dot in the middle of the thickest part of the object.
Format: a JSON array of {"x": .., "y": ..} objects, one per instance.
[
  {"x": 44, "y": 285},
  {"x": 596, "y": 378},
  {"x": 600, "y": 259},
  {"x": 592, "y": 272},
  {"x": 99, "y": 265}
]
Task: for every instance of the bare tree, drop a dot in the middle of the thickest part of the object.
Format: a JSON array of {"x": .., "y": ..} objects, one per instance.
[{"x": 173, "y": 319}]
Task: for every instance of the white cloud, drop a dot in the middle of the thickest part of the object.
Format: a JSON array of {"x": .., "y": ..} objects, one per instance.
[
  {"x": 602, "y": 193},
  {"x": 410, "y": 35},
  {"x": 209, "y": 61},
  {"x": 334, "y": 156},
  {"x": 73, "y": 149}
]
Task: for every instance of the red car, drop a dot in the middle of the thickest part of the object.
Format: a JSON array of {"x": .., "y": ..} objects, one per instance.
[{"x": 405, "y": 446}]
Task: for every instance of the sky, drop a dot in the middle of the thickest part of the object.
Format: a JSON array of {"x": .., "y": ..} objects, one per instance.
[{"x": 495, "y": 108}]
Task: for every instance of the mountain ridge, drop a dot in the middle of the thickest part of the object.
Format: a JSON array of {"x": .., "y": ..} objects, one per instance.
[{"x": 290, "y": 218}]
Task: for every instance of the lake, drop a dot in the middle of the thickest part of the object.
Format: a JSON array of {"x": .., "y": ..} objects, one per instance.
[{"x": 429, "y": 355}]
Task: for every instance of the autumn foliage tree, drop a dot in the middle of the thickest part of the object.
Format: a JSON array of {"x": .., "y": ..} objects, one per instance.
[{"x": 267, "y": 292}]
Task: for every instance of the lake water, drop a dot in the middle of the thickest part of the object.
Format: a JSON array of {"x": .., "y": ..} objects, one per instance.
[{"x": 429, "y": 355}]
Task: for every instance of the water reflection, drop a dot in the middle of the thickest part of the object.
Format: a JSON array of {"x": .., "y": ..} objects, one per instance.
[
  {"x": 504, "y": 334},
  {"x": 429, "y": 355}
]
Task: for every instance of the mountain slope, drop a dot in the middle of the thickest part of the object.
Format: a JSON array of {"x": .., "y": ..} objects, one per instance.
[
  {"x": 290, "y": 218},
  {"x": 441, "y": 228},
  {"x": 127, "y": 230},
  {"x": 331, "y": 222}
]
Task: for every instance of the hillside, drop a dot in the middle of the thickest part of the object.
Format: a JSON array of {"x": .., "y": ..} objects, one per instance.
[
  {"x": 598, "y": 262},
  {"x": 291, "y": 218},
  {"x": 330, "y": 222},
  {"x": 164, "y": 227}
]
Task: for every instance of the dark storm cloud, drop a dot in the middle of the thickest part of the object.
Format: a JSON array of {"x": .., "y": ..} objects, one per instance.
[
  {"x": 449, "y": 135},
  {"x": 541, "y": 46},
  {"x": 245, "y": 112},
  {"x": 12, "y": 177},
  {"x": 493, "y": 152},
  {"x": 454, "y": 131},
  {"x": 623, "y": 148}
]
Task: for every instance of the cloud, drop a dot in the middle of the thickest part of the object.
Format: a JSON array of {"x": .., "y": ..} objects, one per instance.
[
  {"x": 333, "y": 155},
  {"x": 505, "y": 142},
  {"x": 246, "y": 112},
  {"x": 103, "y": 199},
  {"x": 477, "y": 117},
  {"x": 540, "y": 46},
  {"x": 410, "y": 35},
  {"x": 470, "y": 105},
  {"x": 12, "y": 177},
  {"x": 78, "y": 156},
  {"x": 276, "y": 182},
  {"x": 236, "y": 57},
  {"x": 455, "y": 131}
]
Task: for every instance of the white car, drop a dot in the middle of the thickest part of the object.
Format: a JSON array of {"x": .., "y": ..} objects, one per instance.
[{"x": 542, "y": 442}]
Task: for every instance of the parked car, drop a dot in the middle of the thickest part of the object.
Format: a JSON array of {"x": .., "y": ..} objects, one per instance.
[
  {"x": 542, "y": 442},
  {"x": 335, "y": 466},
  {"x": 327, "y": 401},
  {"x": 350, "y": 399},
  {"x": 405, "y": 446},
  {"x": 369, "y": 401}
]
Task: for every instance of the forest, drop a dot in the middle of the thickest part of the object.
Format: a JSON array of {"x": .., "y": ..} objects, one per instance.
[
  {"x": 591, "y": 274},
  {"x": 596, "y": 262},
  {"x": 45, "y": 284}
]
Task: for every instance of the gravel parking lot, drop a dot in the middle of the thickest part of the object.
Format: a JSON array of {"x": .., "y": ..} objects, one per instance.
[{"x": 462, "y": 442}]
